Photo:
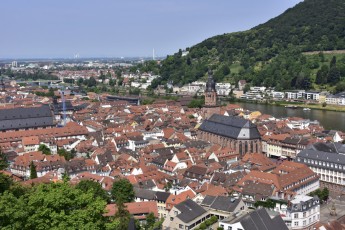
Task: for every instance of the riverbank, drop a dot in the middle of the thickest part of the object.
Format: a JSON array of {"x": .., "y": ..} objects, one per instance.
[
  {"x": 319, "y": 107},
  {"x": 329, "y": 119},
  {"x": 335, "y": 108}
]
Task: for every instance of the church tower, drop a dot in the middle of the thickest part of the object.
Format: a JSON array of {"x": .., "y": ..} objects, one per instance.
[
  {"x": 2, "y": 85},
  {"x": 210, "y": 91}
]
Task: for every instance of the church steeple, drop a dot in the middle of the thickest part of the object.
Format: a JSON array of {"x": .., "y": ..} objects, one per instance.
[
  {"x": 210, "y": 91},
  {"x": 2, "y": 85}
]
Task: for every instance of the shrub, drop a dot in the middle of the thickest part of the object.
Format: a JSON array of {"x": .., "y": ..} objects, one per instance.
[{"x": 203, "y": 226}]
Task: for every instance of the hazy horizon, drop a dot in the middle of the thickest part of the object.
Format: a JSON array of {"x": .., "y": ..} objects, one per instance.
[{"x": 132, "y": 28}]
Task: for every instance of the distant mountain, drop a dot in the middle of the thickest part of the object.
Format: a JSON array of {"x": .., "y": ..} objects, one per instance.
[{"x": 269, "y": 54}]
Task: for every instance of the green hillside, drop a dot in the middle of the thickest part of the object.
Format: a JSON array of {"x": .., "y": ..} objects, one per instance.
[{"x": 270, "y": 54}]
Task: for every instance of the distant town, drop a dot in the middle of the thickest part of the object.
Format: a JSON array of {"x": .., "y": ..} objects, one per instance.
[
  {"x": 209, "y": 166},
  {"x": 104, "y": 72}
]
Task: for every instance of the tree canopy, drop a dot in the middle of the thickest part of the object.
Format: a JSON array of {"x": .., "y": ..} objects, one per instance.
[
  {"x": 45, "y": 150},
  {"x": 94, "y": 187},
  {"x": 5, "y": 182},
  {"x": 270, "y": 54},
  {"x": 3, "y": 161},
  {"x": 52, "y": 206},
  {"x": 122, "y": 191},
  {"x": 33, "y": 172}
]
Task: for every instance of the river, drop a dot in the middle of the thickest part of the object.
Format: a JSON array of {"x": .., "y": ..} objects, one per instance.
[{"x": 328, "y": 119}]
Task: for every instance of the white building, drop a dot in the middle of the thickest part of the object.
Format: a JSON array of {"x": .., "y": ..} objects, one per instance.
[
  {"x": 314, "y": 96},
  {"x": 302, "y": 213},
  {"x": 299, "y": 124},
  {"x": 328, "y": 161},
  {"x": 223, "y": 88},
  {"x": 278, "y": 95},
  {"x": 292, "y": 95},
  {"x": 337, "y": 99},
  {"x": 258, "y": 88}
]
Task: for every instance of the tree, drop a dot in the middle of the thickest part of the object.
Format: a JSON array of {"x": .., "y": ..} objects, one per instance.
[
  {"x": 5, "y": 182},
  {"x": 91, "y": 82},
  {"x": 322, "y": 194},
  {"x": 45, "y": 150},
  {"x": 325, "y": 193},
  {"x": 93, "y": 187},
  {"x": 80, "y": 81},
  {"x": 111, "y": 82},
  {"x": 333, "y": 63},
  {"x": 3, "y": 161},
  {"x": 33, "y": 172},
  {"x": 168, "y": 185},
  {"x": 66, "y": 154},
  {"x": 322, "y": 57},
  {"x": 321, "y": 75},
  {"x": 226, "y": 70},
  {"x": 122, "y": 215},
  {"x": 51, "y": 92},
  {"x": 65, "y": 177},
  {"x": 340, "y": 87},
  {"x": 333, "y": 76},
  {"x": 52, "y": 206},
  {"x": 122, "y": 191},
  {"x": 246, "y": 88},
  {"x": 196, "y": 103},
  {"x": 150, "y": 220}
]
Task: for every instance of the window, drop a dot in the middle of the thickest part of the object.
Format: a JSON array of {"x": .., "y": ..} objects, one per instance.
[
  {"x": 295, "y": 216},
  {"x": 296, "y": 223},
  {"x": 304, "y": 222},
  {"x": 180, "y": 226},
  {"x": 171, "y": 218},
  {"x": 304, "y": 214},
  {"x": 229, "y": 228}
]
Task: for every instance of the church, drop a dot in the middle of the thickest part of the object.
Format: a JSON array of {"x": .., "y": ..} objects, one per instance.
[{"x": 236, "y": 132}]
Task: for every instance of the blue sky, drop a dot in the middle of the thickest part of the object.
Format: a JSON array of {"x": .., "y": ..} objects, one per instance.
[{"x": 115, "y": 28}]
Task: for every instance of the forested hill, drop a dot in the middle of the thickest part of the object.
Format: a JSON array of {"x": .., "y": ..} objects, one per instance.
[{"x": 270, "y": 54}]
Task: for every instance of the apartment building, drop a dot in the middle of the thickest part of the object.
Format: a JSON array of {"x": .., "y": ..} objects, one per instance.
[{"x": 303, "y": 212}]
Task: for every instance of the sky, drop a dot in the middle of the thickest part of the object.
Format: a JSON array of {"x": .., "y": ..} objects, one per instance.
[{"x": 123, "y": 28}]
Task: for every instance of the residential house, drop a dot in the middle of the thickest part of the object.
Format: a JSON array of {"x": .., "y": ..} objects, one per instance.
[
  {"x": 258, "y": 219},
  {"x": 223, "y": 206},
  {"x": 185, "y": 215}
]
